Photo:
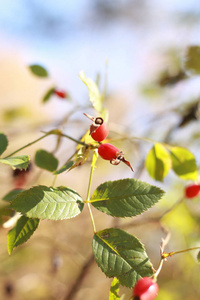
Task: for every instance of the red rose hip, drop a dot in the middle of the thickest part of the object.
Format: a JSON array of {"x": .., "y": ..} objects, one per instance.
[
  {"x": 98, "y": 129},
  {"x": 145, "y": 289},
  {"x": 192, "y": 190},
  {"x": 113, "y": 154}
]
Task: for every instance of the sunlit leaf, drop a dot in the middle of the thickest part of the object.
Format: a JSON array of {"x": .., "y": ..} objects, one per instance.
[
  {"x": 22, "y": 231},
  {"x": 46, "y": 160},
  {"x": 19, "y": 162},
  {"x": 183, "y": 163},
  {"x": 38, "y": 70},
  {"x": 48, "y": 203},
  {"x": 192, "y": 59},
  {"x": 126, "y": 197},
  {"x": 114, "y": 290},
  {"x": 94, "y": 94},
  {"x": 158, "y": 162},
  {"x": 121, "y": 255}
]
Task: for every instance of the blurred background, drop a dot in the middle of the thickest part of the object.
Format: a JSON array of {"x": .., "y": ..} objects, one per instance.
[{"x": 137, "y": 48}]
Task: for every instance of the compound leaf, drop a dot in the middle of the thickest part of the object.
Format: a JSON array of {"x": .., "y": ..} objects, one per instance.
[
  {"x": 48, "y": 203},
  {"x": 125, "y": 198},
  {"x": 121, "y": 255}
]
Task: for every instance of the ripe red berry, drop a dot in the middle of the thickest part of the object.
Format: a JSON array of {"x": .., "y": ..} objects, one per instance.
[
  {"x": 60, "y": 93},
  {"x": 145, "y": 289},
  {"x": 114, "y": 155},
  {"x": 98, "y": 129},
  {"x": 192, "y": 190}
]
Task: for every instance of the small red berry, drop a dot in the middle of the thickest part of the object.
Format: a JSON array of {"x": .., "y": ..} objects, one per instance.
[
  {"x": 145, "y": 289},
  {"x": 114, "y": 155},
  {"x": 60, "y": 93},
  {"x": 192, "y": 190},
  {"x": 98, "y": 129}
]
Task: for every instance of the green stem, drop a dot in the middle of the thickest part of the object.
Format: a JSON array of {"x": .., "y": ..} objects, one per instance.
[
  {"x": 88, "y": 193},
  {"x": 56, "y": 132},
  {"x": 29, "y": 144}
]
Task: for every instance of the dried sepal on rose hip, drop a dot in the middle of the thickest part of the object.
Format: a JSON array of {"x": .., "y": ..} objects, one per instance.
[
  {"x": 192, "y": 190},
  {"x": 146, "y": 288},
  {"x": 98, "y": 129},
  {"x": 113, "y": 154}
]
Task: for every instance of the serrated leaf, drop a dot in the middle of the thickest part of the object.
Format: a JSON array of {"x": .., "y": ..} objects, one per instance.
[
  {"x": 94, "y": 94},
  {"x": 19, "y": 162},
  {"x": 114, "y": 290},
  {"x": 38, "y": 70},
  {"x": 3, "y": 142},
  {"x": 64, "y": 168},
  {"x": 183, "y": 163},
  {"x": 22, "y": 231},
  {"x": 192, "y": 60},
  {"x": 158, "y": 162},
  {"x": 46, "y": 160},
  {"x": 48, "y": 94},
  {"x": 12, "y": 195},
  {"x": 125, "y": 198},
  {"x": 121, "y": 255},
  {"x": 48, "y": 203}
]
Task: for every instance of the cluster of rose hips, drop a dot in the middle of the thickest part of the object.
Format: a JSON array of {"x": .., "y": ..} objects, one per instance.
[
  {"x": 192, "y": 190},
  {"x": 99, "y": 132}
]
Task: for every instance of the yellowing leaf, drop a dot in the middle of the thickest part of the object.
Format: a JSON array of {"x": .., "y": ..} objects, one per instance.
[
  {"x": 158, "y": 162},
  {"x": 183, "y": 163}
]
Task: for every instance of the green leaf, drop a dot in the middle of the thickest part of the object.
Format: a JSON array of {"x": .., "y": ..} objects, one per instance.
[
  {"x": 19, "y": 162},
  {"x": 121, "y": 255},
  {"x": 158, "y": 162},
  {"x": 46, "y": 160},
  {"x": 114, "y": 290},
  {"x": 192, "y": 60},
  {"x": 64, "y": 168},
  {"x": 38, "y": 70},
  {"x": 125, "y": 198},
  {"x": 48, "y": 203},
  {"x": 48, "y": 94},
  {"x": 3, "y": 142},
  {"x": 12, "y": 195},
  {"x": 183, "y": 163},
  {"x": 22, "y": 231},
  {"x": 94, "y": 94}
]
